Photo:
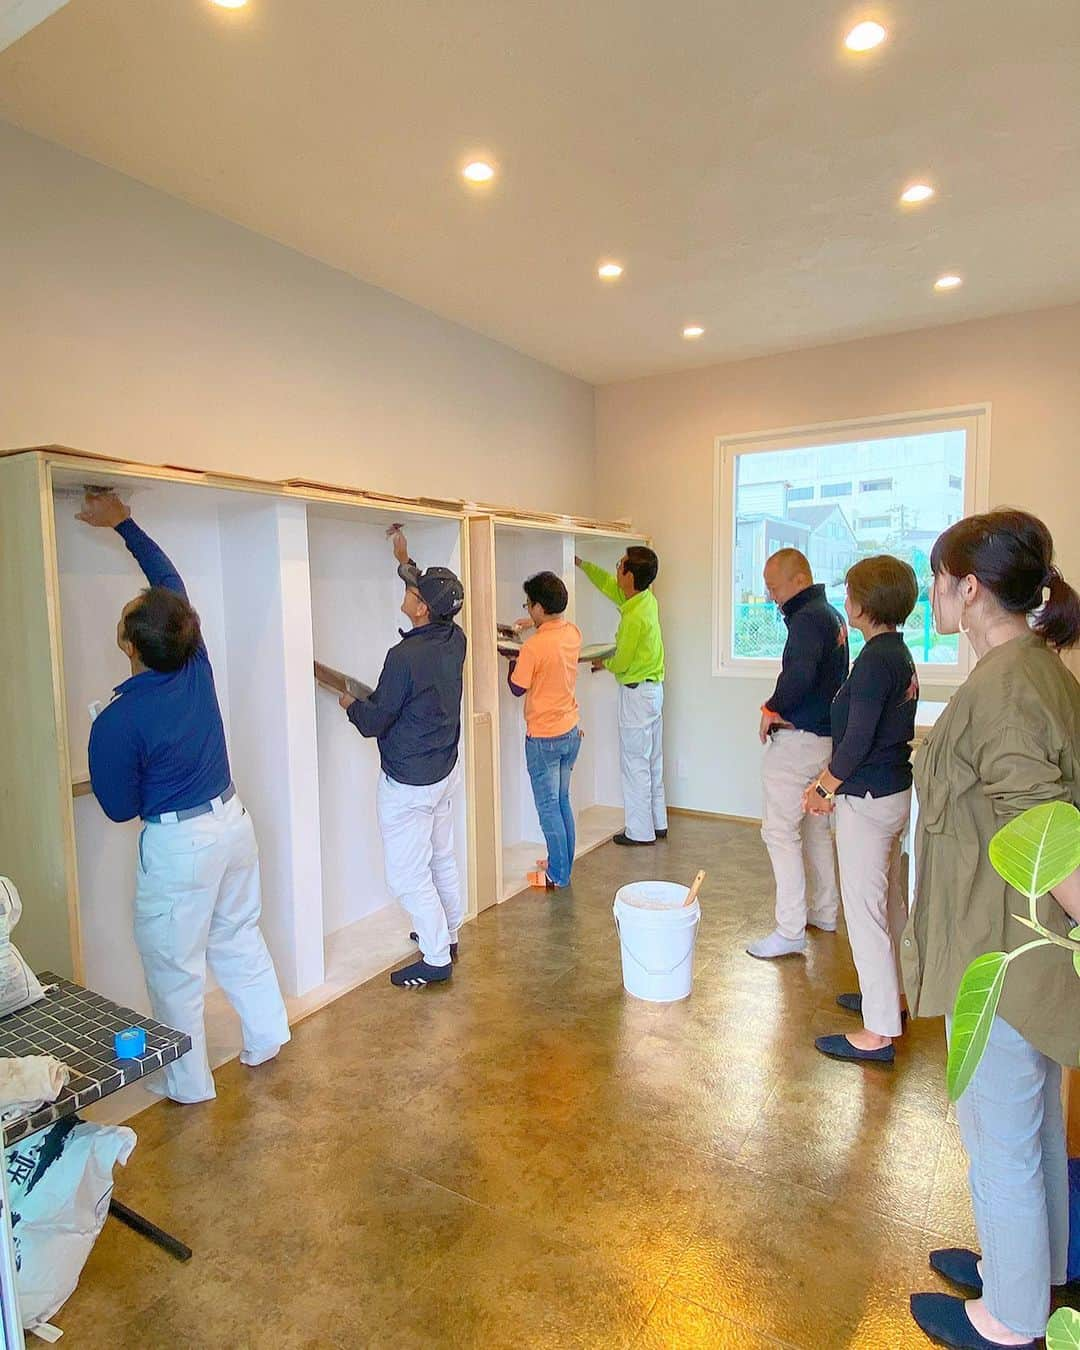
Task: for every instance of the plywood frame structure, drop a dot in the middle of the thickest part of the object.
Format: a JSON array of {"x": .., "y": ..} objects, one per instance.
[
  {"x": 77, "y": 899},
  {"x": 76, "y": 883}
]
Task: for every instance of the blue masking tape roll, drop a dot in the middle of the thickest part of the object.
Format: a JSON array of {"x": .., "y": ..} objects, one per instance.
[{"x": 130, "y": 1044}]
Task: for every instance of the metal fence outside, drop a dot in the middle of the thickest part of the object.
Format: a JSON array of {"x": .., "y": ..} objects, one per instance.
[{"x": 759, "y": 631}]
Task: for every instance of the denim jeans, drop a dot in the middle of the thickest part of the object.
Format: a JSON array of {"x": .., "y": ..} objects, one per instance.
[
  {"x": 550, "y": 760},
  {"x": 1012, "y": 1126}
]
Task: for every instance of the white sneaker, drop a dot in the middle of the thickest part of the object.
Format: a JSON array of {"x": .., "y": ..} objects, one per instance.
[
  {"x": 767, "y": 948},
  {"x": 822, "y": 925},
  {"x": 253, "y": 1058}
]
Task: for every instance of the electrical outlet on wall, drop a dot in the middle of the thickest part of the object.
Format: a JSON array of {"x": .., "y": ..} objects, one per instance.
[{"x": 681, "y": 770}]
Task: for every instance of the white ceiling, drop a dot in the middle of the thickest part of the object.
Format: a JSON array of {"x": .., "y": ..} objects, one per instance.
[{"x": 741, "y": 165}]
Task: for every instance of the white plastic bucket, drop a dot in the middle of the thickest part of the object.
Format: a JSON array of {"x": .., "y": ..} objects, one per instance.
[{"x": 657, "y": 930}]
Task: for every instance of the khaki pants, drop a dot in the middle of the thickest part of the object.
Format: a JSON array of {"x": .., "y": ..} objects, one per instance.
[
  {"x": 868, "y": 833},
  {"x": 792, "y": 760}
]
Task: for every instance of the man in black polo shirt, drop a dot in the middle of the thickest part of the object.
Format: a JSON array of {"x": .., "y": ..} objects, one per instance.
[
  {"x": 415, "y": 714},
  {"x": 797, "y": 736}
]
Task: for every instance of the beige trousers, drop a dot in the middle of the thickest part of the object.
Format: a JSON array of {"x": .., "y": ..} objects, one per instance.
[
  {"x": 868, "y": 834},
  {"x": 797, "y": 842}
]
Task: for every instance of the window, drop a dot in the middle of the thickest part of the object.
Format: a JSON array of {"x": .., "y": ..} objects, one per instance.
[{"x": 789, "y": 490}]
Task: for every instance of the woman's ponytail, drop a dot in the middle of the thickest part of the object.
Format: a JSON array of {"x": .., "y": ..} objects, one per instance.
[{"x": 1058, "y": 619}]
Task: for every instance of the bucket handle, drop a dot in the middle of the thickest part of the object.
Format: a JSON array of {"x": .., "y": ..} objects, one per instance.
[{"x": 648, "y": 969}]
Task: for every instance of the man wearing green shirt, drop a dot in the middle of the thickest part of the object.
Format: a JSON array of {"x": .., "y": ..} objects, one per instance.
[{"x": 638, "y": 666}]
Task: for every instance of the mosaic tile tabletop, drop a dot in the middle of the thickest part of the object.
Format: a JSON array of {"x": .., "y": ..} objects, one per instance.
[{"x": 78, "y": 1026}]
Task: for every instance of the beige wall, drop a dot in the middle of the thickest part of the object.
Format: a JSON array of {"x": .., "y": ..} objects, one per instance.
[
  {"x": 132, "y": 324},
  {"x": 655, "y": 442}
]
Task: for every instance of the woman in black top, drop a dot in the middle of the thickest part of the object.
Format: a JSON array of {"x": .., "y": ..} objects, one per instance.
[{"x": 868, "y": 787}]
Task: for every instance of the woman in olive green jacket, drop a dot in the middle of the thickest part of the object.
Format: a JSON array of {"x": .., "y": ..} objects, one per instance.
[{"x": 1009, "y": 739}]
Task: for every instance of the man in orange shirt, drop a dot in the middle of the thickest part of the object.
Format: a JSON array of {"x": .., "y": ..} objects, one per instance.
[{"x": 546, "y": 674}]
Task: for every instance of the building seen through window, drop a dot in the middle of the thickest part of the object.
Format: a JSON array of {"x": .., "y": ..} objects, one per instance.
[{"x": 838, "y": 503}]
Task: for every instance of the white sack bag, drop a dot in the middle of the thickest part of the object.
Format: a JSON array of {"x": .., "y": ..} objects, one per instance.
[
  {"x": 19, "y": 986},
  {"x": 60, "y": 1184}
]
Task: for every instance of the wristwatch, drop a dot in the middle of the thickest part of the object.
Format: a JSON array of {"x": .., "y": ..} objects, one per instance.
[{"x": 823, "y": 792}]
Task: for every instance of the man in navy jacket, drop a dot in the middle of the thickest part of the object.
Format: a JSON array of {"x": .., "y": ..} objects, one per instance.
[
  {"x": 157, "y": 750},
  {"x": 415, "y": 715},
  {"x": 796, "y": 733}
]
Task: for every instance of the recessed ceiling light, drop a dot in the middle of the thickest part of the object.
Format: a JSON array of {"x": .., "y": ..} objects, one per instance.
[
  {"x": 864, "y": 37},
  {"x": 478, "y": 172},
  {"x": 917, "y": 192},
  {"x": 609, "y": 270},
  {"x": 948, "y": 282},
  {"x": 230, "y": 4},
  {"x": 693, "y": 330}
]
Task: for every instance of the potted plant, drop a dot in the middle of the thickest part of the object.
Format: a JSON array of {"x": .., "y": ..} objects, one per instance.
[{"x": 1033, "y": 853}]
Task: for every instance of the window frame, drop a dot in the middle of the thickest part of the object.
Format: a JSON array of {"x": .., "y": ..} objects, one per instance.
[{"x": 973, "y": 419}]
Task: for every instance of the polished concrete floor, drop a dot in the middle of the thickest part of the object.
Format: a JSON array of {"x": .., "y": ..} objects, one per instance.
[{"x": 529, "y": 1157}]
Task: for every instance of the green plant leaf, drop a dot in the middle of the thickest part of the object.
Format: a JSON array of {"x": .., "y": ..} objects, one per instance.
[
  {"x": 1075, "y": 935},
  {"x": 976, "y": 1003},
  {"x": 1038, "y": 849},
  {"x": 1063, "y": 1330}
]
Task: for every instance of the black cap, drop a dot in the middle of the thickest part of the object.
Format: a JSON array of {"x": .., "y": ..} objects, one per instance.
[
  {"x": 439, "y": 588},
  {"x": 443, "y": 593}
]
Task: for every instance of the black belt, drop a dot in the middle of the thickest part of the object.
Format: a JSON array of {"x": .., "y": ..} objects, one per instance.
[{"x": 640, "y": 682}]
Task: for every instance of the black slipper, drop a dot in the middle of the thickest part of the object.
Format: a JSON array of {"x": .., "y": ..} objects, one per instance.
[
  {"x": 853, "y": 1003},
  {"x": 945, "y": 1320},
  {"x": 959, "y": 1267}
]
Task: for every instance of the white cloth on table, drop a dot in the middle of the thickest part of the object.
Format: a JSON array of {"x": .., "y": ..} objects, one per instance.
[{"x": 30, "y": 1081}]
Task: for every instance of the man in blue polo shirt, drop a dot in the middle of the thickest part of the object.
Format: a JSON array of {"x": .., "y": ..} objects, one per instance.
[
  {"x": 415, "y": 714},
  {"x": 157, "y": 750},
  {"x": 796, "y": 732}
]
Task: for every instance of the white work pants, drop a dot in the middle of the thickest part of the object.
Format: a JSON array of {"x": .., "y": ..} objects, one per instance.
[
  {"x": 792, "y": 760},
  {"x": 868, "y": 834},
  {"x": 197, "y": 899},
  {"x": 417, "y": 827},
  {"x": 641, "y": 758}
]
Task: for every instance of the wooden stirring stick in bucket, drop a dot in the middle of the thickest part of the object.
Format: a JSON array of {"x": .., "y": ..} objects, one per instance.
[{"x": 695, "y": 886}]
